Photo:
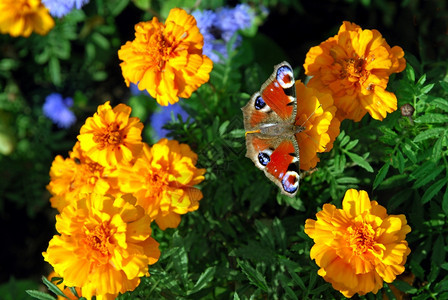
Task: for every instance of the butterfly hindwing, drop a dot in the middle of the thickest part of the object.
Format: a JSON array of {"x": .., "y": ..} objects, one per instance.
[{"x": 279, "y": 160}]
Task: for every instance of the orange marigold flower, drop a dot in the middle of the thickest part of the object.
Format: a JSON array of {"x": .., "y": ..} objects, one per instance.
[
  {"x": 22, "y": 17},
  {"x": 60, "y": 284},
  {"x": 104, "y": 246},
  {"x": 316, "y": 113},
  {"x": 162, "y": 179},
  {"x": 166, "y": 59},
  {"x": 76, "y": 175},
  {"x": 354, "y": 66},
  {"x": 111, "y": 137},
  {"x": 358, "y": 246}
]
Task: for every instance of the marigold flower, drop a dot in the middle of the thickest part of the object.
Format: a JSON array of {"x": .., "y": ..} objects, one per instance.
[
  {"x": 76, "y": 175},
  {"x": 354, "y": 66},
  {"x": 104, "y": 246},
  {"x": 358, "y": 246},
  {"x": 111, "y": 137},
  {"x": 316, "y": 113},
  {"x": 166, "y": 59},
  {"x": 162, "y": 179},
  {"x": 22, "y": 17}
]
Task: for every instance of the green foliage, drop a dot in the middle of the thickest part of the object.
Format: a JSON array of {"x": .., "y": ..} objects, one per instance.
[{"x": 246, "y": 241}]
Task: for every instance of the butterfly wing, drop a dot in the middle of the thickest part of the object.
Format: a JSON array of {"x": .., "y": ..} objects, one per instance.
[
  {"x": 275, "y": 102},
  {"x": 269, "y": 117},
  {"x": 278, "y": 159}
]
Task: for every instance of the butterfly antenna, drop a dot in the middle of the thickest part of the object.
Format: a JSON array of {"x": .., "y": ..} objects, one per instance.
[
  {"x": 252, "y": 131},
  {"x": 311, "y": 115}
]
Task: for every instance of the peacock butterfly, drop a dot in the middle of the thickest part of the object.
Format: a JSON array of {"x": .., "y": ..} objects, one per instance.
[{"x": 269, "y": 122}]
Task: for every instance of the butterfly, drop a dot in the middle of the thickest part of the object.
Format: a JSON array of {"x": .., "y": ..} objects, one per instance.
[{"x": 269, "y": 123}]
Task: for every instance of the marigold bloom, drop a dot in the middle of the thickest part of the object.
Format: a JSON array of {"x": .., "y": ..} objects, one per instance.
[
  {"x": 76, "y": 175},
  {"x": 22, "y": 17},
  {"x": 354, "y": 66},
  {"x": 162, "y": 179},
  {"x": 104, "y": 246},
  {"x": 316, "y": 113},
  {"x": 166, "y": 59},
  {"x": 358, "y": 246},
  {"x": 111, "y": 137}
]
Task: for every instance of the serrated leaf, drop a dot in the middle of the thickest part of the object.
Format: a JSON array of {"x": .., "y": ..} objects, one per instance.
[
  {"x": 444, "y": 85},
  {"x": 430, "y": 133},
  {"x": 432, "y": 118},
  {"x": 381, "y": 175},
  {"x": 425, "y": 90},
  {"x": 438, "y": 252},
  {"x": 39, "y": 295},
  {"x": 205, "y": 278},
  {"x": 265, "y": 234},
  {"x": 437, "y": 149},
  {"x": 279, "y": 234},
  {"x": 360, "y": 161},
  {"x": 426, "y": 173},
  {"x": 344, "y": 141},
  {"x": 407, "y": 149},
  {"x": 254, "y": 276},
  {"x": 440, "y": 103},
  {"x": 180, "y": 263},
  {"x": 433, "y": 190}
]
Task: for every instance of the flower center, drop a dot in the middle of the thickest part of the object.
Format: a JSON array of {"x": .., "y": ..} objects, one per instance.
[
  {"x": 353, "y": 69},
  {"x": 158, "y": 181},
  {"x": 161, "y": 48},
  {"x": 99, "y": 238},
  {"x": 110, "y": 136},
  {"x": 360, "y": 237}
]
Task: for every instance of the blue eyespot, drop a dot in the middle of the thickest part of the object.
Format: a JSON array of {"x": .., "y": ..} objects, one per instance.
[
  {"x": 259, "y": 103},
  {"x": 264, "y": 158},
  {"x": 290, "y": 182}
]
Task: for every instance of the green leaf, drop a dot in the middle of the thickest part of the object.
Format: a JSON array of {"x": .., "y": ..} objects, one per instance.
[
  {"x": 344, "y": 141},
  {"x": 279, "y": 234},
  {"x": 52, "y": 287},
  {"x": 410, "y": 153},
  {"x": 426, "y": 173},
  {"x": 440, "y": 103},
  {"x": 116, "y": 7},
  {"x": 432, "y": 118},
  {"x": 430, "y": 133},
  {"x": 438, "y": 252},
  {"x": 425, "y": 90},
  {"x": 445, "y": 202},
  {"x": 421, "y": 80},
  {"x": 351, "y": 145},
  {"x": 360, "y": 161},
  {"x": 39, "y": 295},
  {"x": 410, "y": 74},
  {"x": 205, "y": 278},
  {"x": 381, "y": 175},
  {"x": 254, "y": 276},
  {"x": 433, "y": 190},
  {"x": 444, "y": 85},
  {"x": 180, "y": 263},
  {"x": 400, "y": 162},
  {"x": 223, "y": 127}
]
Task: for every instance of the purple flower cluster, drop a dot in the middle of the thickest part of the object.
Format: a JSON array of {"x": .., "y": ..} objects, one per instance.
[
  {"x": 162, "y": 117},
  {"x": 58, "y": 110},
  {"x": 220, "y": 26},
  {"x": 59, "y": 8}
]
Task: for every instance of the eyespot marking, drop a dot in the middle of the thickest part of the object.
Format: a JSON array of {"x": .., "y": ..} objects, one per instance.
[
  {"x": 285, "y": 77},
  {"x": 290, "y": 182},
  {"x": 259, "y": 103},
  {"x": 264, "y": 157}
]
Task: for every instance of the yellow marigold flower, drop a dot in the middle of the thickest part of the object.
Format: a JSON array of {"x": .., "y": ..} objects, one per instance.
[
  {"x": 76, "y": 175},
  {"x": 316, "y": 113},
  {"x": 166, "y": 59},
  {"x": 358, "y": 246},
  {"x": 111, "y": 137},
  {"x": 354, "y": 66},
  {"x": 162, "y": 179},
  {"x": 64, "y": 288},
  {"x": 22, "y": 17},
  {"x": 104, "y": 246}
]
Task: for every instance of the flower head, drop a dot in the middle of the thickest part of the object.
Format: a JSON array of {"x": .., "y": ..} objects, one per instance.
[
  {"x": 316, "y": 114},
  {"x": 111, "y": 136},
  {"x": 59, "y": 8},
  {"x": 354, "y": 66},
  {"x": 104, "y": 246},
  {"x": 22, "y": 17},
  {"x": 162, "y": 179},
  {"x": 58, "y": 110},
  {"x": 358, "y": 246},
  {"x": 166, "y": 59},
  {"x": 77, "y": 175}
]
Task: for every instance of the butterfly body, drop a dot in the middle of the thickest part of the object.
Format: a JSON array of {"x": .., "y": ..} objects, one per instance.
[{"x": 269, "y": 122}]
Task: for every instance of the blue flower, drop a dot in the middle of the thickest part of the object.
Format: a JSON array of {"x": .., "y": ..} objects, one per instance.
[
  {"x": 59, "y": 8},
  {"x": 58, "y": 110},
  {"x": 219, "y": 27},
  {"x": 162, "y": 117}
]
